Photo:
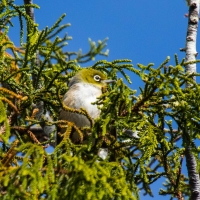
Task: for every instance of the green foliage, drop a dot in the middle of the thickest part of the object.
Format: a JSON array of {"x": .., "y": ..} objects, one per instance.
[
  {"x": 39, "y": 71},
  {"x": 4, "y": 123},
  {"x": 60, "y": 175}
]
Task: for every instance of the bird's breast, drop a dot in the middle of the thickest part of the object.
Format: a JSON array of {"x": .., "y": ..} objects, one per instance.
[{"x": 81, "y": 96}]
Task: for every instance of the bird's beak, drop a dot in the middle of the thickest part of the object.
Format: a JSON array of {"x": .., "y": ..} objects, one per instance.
[{"x": 108, "y": 81}]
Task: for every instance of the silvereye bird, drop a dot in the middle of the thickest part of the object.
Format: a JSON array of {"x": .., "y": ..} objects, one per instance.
[{"x": 84, "y": 89}]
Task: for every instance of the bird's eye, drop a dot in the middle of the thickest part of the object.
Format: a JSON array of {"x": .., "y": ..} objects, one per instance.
[{"x": 97, "y": 78}]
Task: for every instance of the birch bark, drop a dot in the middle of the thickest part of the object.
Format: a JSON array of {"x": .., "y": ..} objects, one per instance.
[{"x": 191, "y": 54}]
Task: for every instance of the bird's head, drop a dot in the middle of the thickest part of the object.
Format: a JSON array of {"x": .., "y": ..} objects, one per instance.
[{"x": 90, "y": 76}]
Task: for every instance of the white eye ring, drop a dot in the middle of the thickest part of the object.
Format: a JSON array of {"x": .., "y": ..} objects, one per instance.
[{"x": 97, "y": 78}]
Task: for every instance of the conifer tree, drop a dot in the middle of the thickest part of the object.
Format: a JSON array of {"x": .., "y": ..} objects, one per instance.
[{"x": 34, "y": 77}]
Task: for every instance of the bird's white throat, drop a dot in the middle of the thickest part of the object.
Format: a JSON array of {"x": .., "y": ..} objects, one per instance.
[
  {"x": 84, "y": 95},
  {"x": 81, "y": 95}
]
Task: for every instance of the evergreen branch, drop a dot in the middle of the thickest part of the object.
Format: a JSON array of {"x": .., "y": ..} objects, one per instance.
[
  {"x": 58, "y": 31},
  {"x": 10, "y": 154},
  {"x": 10, "y": 104},
  {"x": 32, "y": 136}
]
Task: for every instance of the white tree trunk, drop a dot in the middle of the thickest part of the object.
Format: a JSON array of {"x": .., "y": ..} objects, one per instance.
[{"x": 191, "y": 54}]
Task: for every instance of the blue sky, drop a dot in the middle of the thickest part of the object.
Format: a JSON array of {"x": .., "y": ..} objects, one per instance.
[{"x": 141, "y": 30}]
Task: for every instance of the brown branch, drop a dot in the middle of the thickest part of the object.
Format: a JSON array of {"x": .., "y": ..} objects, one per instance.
[
  {"x": 10, "y": 154},
  {"x": 10, "y": 104},
  {"x": 27, "y": 130},
  {"x": 176, "y": 189},
  {"x": 32, "y": 136}
]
